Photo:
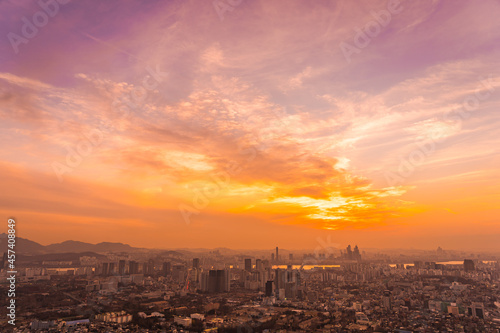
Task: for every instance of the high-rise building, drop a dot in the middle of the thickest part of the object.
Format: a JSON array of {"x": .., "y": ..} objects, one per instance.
[
  {"x": 298, "y": 279},
  {"x": 104, "y": 268},
  {"x": 248, "y": 265},
  {"x": 290, "y": 290},
  {"x": 196, "y": 263},
  {"x": 258, "y": 265},
  {"x": 348, "y": 252},
  {"x": 355, "y": 254},
  {"x": 418, "y": 264},
  {"x": 111, "y": 268},
  {"x": 121, "y": 267},
  {"x": 269, "y": 288},
  {"x": 277, "y": 255},
  {"x": 279, "y": 278},
  {"x": 178, "y": 273},
  {"x": 166, "y": 268},
  {"x": 133, "y": 267},
  {"x": 215, "y": 281},
  {"x": 468, "y": 265},
  {"x": 272, "y": 257},
  {"x": 151, "y": 267}
]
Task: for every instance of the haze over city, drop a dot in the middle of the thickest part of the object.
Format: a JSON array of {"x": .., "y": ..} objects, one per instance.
[
  {"x": 189, "y": 124},
  {"x": 250, "y": 166}
]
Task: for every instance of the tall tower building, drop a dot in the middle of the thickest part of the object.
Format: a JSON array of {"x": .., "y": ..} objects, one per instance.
[
  {"x": 468, "y": 265},
  {"x": 349, "y": 252},
  {"x": 121, "y": 267},
  {"x": 133, "y": 267},
  {"x": 355, "y": 254},
  {"x": 258, "y": 264},
  {"x": 179, "y": 273},
  {"x": 196, "y": 263},
  {"x": 111, "y": 269},
  {"x": 269, "y": 288},
  {"x": 215, "y": 281},
  {"x": 277, "y": 255},
  {"x": 248, "y": 265},
  {"x": 279, "y": 278},
  {"x": 104, "y": 268}
]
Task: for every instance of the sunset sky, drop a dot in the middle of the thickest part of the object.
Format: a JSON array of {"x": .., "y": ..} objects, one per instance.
[{"x": 252, "y": 124}]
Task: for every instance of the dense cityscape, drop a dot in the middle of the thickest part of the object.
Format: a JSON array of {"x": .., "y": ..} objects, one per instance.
[
  {"x": 250, "y": 166},
  {"x": 332, "y": 290}
]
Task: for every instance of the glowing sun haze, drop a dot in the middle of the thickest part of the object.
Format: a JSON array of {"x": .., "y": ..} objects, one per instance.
[{"x": 252, "y": 124}]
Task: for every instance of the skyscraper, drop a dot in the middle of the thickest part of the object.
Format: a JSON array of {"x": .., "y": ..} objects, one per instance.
[
  {"x": 179, "y": 273},
  {"x": 121, "y": 267},
  {"x": 468, "y": 265},
  {"x": 215, "y": 281},
  {"x": 258, "y": 264},
  {"x": 248, "y": 265},
  {"x": 196, "y": 263},
  {"x": 355, "y": 254},
  {"x": 269, "y": 288},
  {"x": 348, "y": 252},
  {"x": 133, "y": 267},
  {"x": 111, "y": 269},
  {"x": 104, "y": 268},
  {"x": 290, "y": 290},
  {"x": 277, "y": 255},
  {"x": 279, "y": 278}
]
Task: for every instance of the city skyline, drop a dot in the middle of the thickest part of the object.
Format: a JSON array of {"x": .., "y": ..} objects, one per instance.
[
  {"x": 324, "y": 246},
  {"x": 251, "y": 125}
]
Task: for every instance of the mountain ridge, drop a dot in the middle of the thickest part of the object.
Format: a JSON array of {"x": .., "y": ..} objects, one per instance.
[{"x": 26, "y": 246}]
